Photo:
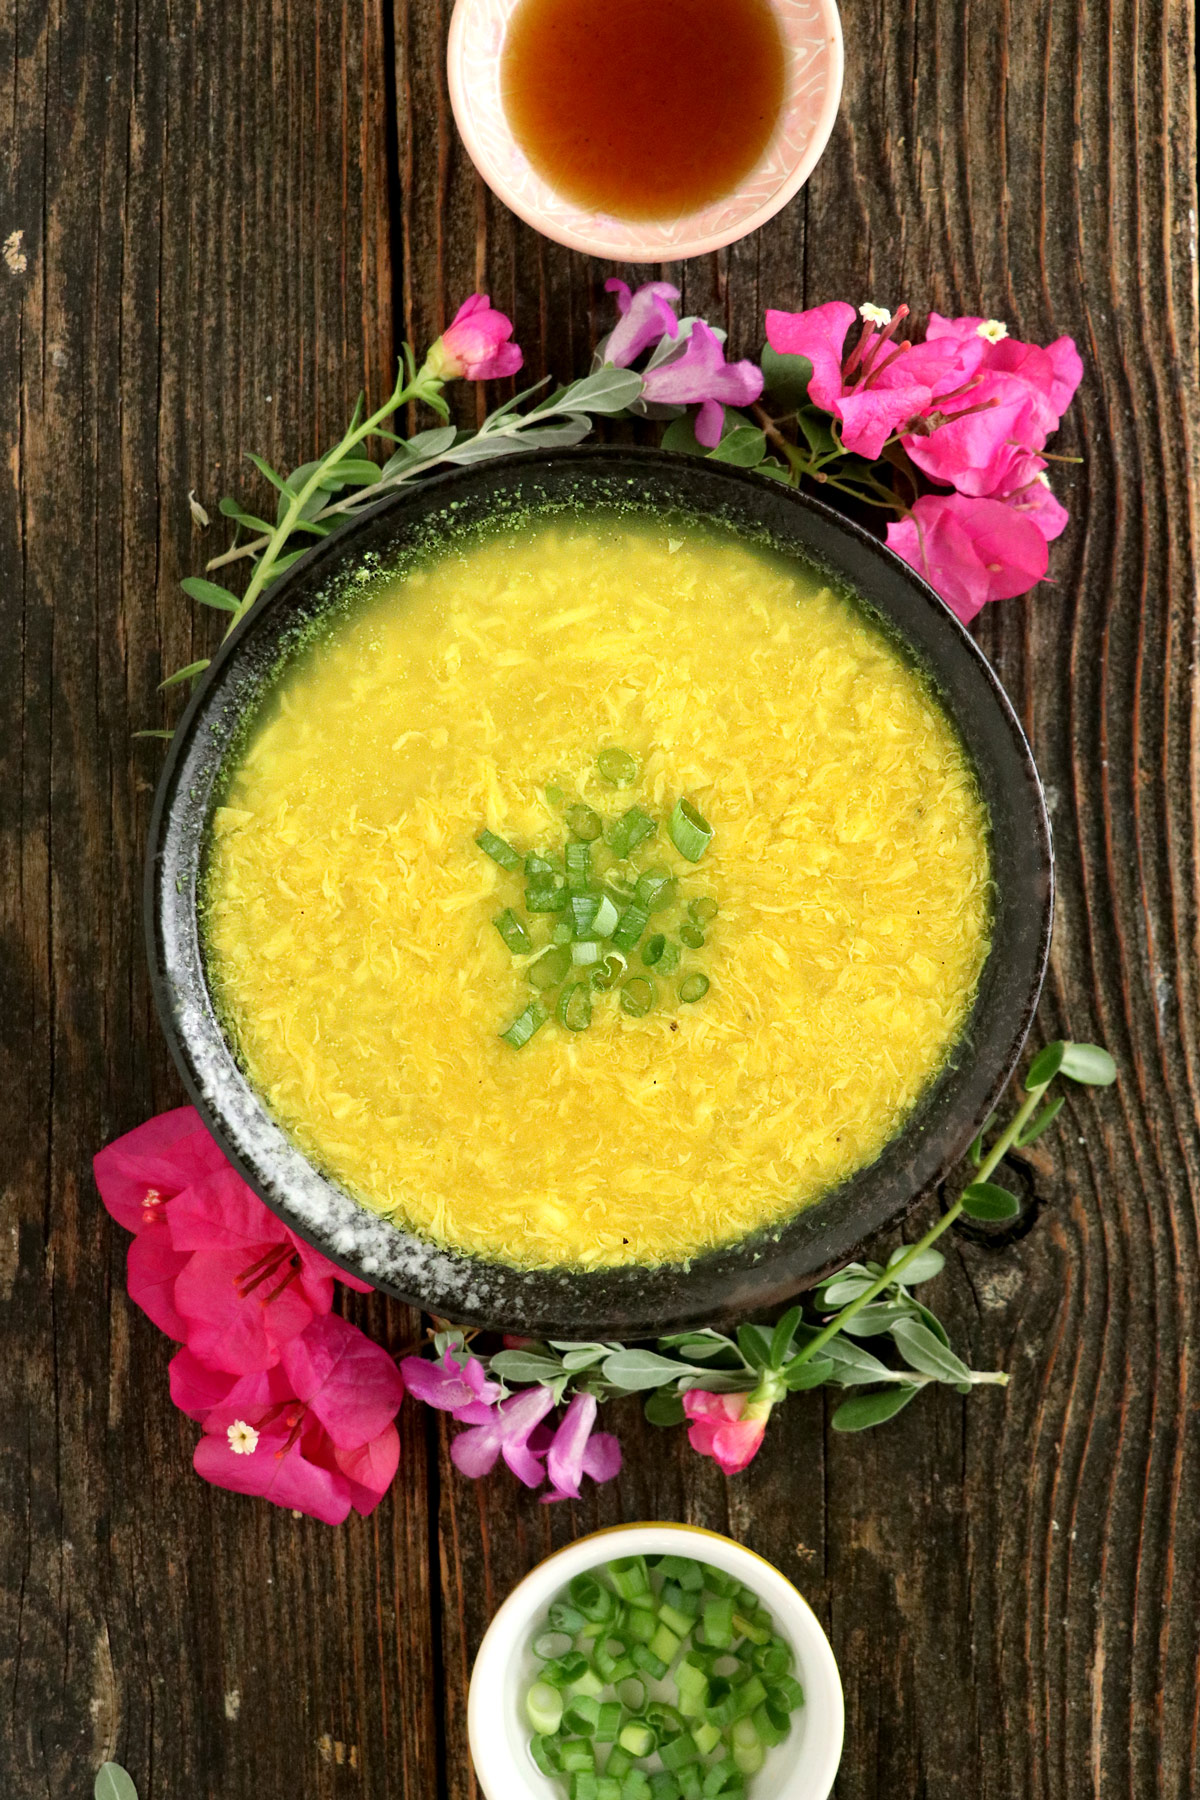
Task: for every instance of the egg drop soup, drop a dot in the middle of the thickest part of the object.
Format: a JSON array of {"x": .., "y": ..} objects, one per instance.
[{"x": 838, "y": 917}]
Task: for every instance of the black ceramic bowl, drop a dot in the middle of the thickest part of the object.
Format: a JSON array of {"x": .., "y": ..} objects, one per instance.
[{"x": 626, "y": 1302}]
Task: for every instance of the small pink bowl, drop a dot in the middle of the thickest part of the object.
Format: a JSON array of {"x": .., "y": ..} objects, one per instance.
[{"x": 812, "y": 36}]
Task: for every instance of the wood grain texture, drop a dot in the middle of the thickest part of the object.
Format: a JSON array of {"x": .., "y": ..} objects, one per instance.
[
  {"x": 202, "y": 192},
  {"x": 227, "y": 230}
]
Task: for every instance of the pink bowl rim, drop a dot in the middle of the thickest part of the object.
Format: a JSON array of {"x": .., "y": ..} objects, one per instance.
[{"x": 642, "y": 250}]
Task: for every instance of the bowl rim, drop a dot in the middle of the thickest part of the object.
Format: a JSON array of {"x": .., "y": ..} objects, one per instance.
[
  {"x": 640, "y": 246},
  {"x": 628, "y": 1301},
  {"x": 813, "y": 1774}
]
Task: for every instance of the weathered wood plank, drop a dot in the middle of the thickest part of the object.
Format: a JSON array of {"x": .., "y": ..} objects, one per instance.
[{"x": 202, "y": 198}]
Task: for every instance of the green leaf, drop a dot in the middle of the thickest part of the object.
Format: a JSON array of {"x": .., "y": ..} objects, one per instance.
[
  {"x": 634, "y": 1369},
  {"x": 1089, "y": 1064},
  {"x": 281, "y": 563},
  {"x": 931, "y": 1262},
  {"x": 862, "y": 1411},
  {"x": 985, "y": 1200},
  {"x": 575, "y": 1361},
  {"x": 1042, "y": 1121},
  {"x": 422, "y": 447},
  {"x": 852, "y": 1365},
  {"x": 695, "y": 1348},
  {"x": 842, "y": 1290},
  {"x": 231, "y": 509},
  {"x": 1045, "y": 1067},
  {"x": 525, "y": 1366},
  {"x": 754, "y": 1342},
  {"x": 798, "y": 1376},
  {"x": 608, "y": 390},
  {"x": 665, "y": 1408},
  {"x": 680, "y": 436},
  {"x": 976, "y": 1151},
  {"x": 774, "y": 469},
  {"x": 113, "y": 1783},
  {"x": 786, "y": 377},
  {"x": 276, "y": 480},
  {"x": 208, "y": 593},
  {"x": 781, "y": 1338},
  {"x": 715, "y": 1381},
  {"x": 196, "y": 668},
  {"x": 351, "y": 471},
  {"x": 933, "y": 1323},
  {"x": 817, "y": 432},
  {"x": 877, "y": 1318},
  {"x": 744, "y": 447},
  {"x": 924, "y": 1352}
]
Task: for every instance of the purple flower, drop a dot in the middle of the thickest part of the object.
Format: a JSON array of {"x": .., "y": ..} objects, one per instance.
[
  {"x": 506, "y": 1431},
  {"x": 461, "y": 1389},
  {"x": 575, "y": 1452},
  {"x": 646, "y": 317},
  {"x": 701, "y": 373}
]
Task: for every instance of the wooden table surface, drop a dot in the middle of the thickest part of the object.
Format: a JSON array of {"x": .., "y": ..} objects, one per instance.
[{"x": 227, "y": 215}]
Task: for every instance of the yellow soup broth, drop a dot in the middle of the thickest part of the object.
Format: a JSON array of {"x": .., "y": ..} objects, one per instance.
[{"x": 350, "y": 912}]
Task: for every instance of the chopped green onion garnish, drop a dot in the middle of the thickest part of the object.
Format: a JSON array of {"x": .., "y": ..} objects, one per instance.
[
  {"x": 582, "y": 1716},
  {"x": 579, "y": 866},
  {"x": 606, "y": 974},
  {"x": 539, "y": 870},
  {"x": 585, "y": 953},
  {"x": 525, "y": 1024},
  {"x": 513, "y": 932},
  {"x": 584, "y": 908},
  {"x": 576, "y": 1755},
  {"x": 703, "y": 908},
  {"x": 693, "y": 987},
  {"x": 669, "y": 960},
  {"x": 717, "y": 1619},
  {"x": 550, "y": 967},
  {"x": 653, "y": 948},
  {"x": 691, "y": 935},
  {"x": 706, "y": 1737},
  {"x": 655, "y": 889},
  {"x": 575, "y": 1006},
  {"x": 617, "y": 766},
  {"x": 640, "y": 1623},
  {"x": 585, "y": 823},
  {"x": 555, "y": 796},
  {"x": 630, "y": 1576},
  {"x": 637, "y": 997},
  {"x": 631, "y": 1692},
  {"x": 544, "y": 1705},
  {"x": 546, "y": 899},
  {"x": 608, "y": 1722},
  {"x": 630, "y": 926},
  {"x": 638, "y": 1739},
  {"x": 605, "y": 921},
  {"x": 690, "y": 834},
  {"x": 499, "y": 851},
  {"x": 592, "y": 1599},
  {"x": 550, "y": 1645},
  {"x": 561, "y": 932},
  {"x": 630, "y": 830},
  {"x": 788, "y": 1692},
  {"x": 745, "y": 1628},
  {"x": 772, "y": 1722},
  {"x": 566, "y": 1669},
  {"x": 619, "y": 1763},
  {"x": 544, "y": 1752}
]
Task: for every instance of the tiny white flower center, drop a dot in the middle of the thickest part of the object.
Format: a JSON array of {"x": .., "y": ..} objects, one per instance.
[
  {"x": 874, "y": 315},
  {"x": 994, "y": 330},
  {"x": 1042, "y": 477},
  {"x": 243, "y": 1439}
]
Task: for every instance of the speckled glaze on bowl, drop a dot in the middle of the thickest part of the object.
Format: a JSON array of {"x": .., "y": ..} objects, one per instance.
[
  {"x": 812, "y": 36},
  {"x": 760, "y": 1270}
]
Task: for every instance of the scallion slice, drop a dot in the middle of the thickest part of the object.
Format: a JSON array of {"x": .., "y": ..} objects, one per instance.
[
  {"x": 575, "y": 1006},
  {"x": 585, "y": 953},
  {"x": 584, "y": 908},
  {"x": 525, "y": 1024},
  {"x": 605, "y": 921},
  {"x": 546, "y": 899},
  {"x": 653, "y": 948},
  {"x": 585, "y": 823},
  {"x": 579, "y": 866},
  {"x": 630, "y": 1576},
  {"x": 638, "y": 1739},
  {"x": 607, "y": 973},
  {"x": 617, "y": 766},
  {"x": 630, "y": 926},
  {"x": 513, "y": 932},
  {"x": 655, "y": 889},
  {"x": 544, "y": 1705},
  {"x": 544, "y": 1752},
  {"x": 690, "y": 833},
  {"x": 550, "y": 968},
  {"x": 669, "y": 960},
  {"x": 691, "y": 935},
  {"x": 637, "y": 998},
  {"x": 550, "y": 1645},
  {"x": 703, "y": 908},
  {"x": 630, "y": 830},
  {"x": 693, "y": 987},
  {"x": 499, "y": 850}
]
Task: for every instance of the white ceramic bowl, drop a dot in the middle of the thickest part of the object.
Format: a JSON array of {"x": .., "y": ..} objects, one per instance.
[
  {"x": 812, "y": 36},
  {"x": 801, "y": 1768}
]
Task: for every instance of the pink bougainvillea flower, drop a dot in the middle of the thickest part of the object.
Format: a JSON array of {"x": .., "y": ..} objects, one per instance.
[
  {"x": 1054, "y": 370},
  {"x": 506, "y": 1432},
  {"x": 971, "y": 550},
  {"x": 646, "y": 317},
  {"x": 349, "y": 1384},
  {"x": 699, "y": 372},
  {"x": 727, "y": 1427},
  {"x": 239, "y": 1313},
  {"x": 138, "y": 1173},
  {"x": 314, "y": 1433},
  {"x": 195, "y": 1387},
  {"x": 1036, "y": 501},
  {"x": 222, "y": 1213},
  {"x": 577, "y": 1450},
  {"x": 881, "y": 386},
  {"x": 475, "y": 345},
  {"x": 461, "y": 1388},
  {"x": 152, "y": 1270}
]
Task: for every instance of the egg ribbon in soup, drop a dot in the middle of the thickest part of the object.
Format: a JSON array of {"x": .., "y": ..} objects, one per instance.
[{"x": 350, "y": 913}]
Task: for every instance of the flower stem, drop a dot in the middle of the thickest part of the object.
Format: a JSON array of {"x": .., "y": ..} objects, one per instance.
[{"x": 895, "y": 1272}]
